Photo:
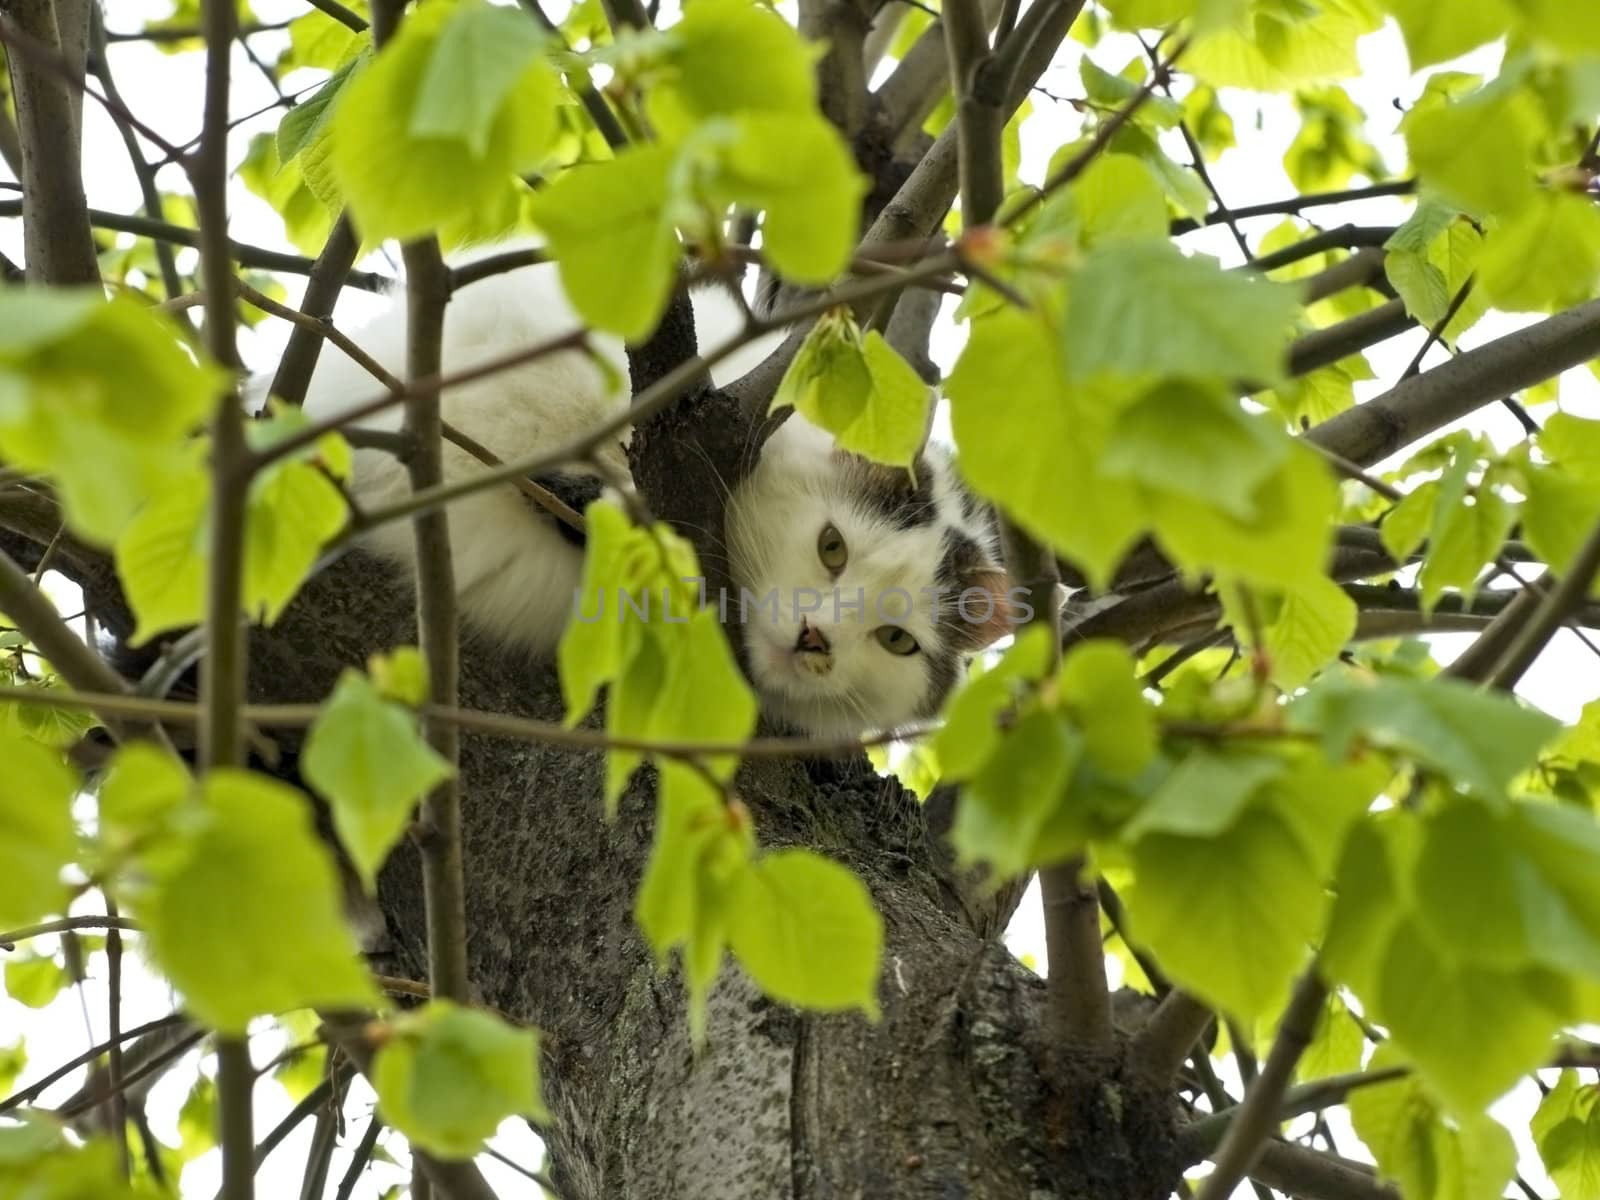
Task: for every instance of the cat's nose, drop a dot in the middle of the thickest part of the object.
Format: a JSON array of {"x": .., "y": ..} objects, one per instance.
[{"x": 811, "y": 640}]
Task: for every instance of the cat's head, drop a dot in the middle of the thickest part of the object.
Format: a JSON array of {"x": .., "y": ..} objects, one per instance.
[{"x": 862, "y": 589}]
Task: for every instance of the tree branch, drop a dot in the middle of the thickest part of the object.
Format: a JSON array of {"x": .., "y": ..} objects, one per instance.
[
  {"x": 840, "y": 27},
  {"x": 438, "y": 828},
  {"x": 76, "y": 661},
  {"x": 1292, "y": 205},
  {"x": 1552, "y": 613},
  {"x": 1418, "y": 406},
  {"x": 1169, "y": 1036},
  {"x": 1199, "y": 1138},
  {"x": 1310, "y": 1175},
  {"x": 223, "y": 669},
  {"x": 1257, "y": 1115},
  {"x": 55, "y": 227},
  {"x": 1325, "y": 347},
  {"x": 1345, "y": 237},
  {"x": 100, "y": 64},
  {"x": 922, "y": 200},
  {"x": 326, "y": 280},
  {"x": 246, "y": 254}
]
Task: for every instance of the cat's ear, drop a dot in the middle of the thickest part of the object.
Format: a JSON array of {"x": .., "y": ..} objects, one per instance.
[{"x": 984, "y": 612}]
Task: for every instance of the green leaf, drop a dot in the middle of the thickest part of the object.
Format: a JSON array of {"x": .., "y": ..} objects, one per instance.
[
  {"x": 37, "y": 835},
  {"x": 1337, "y": 1043},
  {"x": 1098, "y": 685},
  {"x": 1434, "y": 1009},
  {"x": 730, "y": 56},
  {"x": 671, "y": 671},
  {"x": 1558, "y": 515},
  {"x": 858, "y": 389},
  {"x": 367, "y": 759},
  {"x": 594, "y": 649},
  {"x": 403, "y": 182},
  {"x": 1305, "y": 629},
  {"x": 293, "y": 511},
  {"x": 484, "y": 53},
  {"x": 1280, "y": 45},
  {"x": 1144, "y": 306},
  {"x": 304, "y": 207},
  {"x": 1006, "y": 803},
  {"x": 1435, "y": 34},
  {"x": 34, "y": 980},
  {"x": 1199, "y": 443},
  {"x": 1406, "y": 525},
  {"x": 101, "y": 395},
  {"x": 1476, "y": 152},
  {"x": 1118, "y": 197},
  {"x": 700, "y": 852},
  {"x": 1204, "y": 795},
  {"x": 805, "y": 930},
  {"x": 280, "y": 942},
  {"x": 1439, "y": 722},
  {"x": 972, "y": 725},
  {"x": 1466, "y": 535},
  {"x": 1546, "y": 257},
  {"x": 1482, "y": 902},
  {"x": 51, "y": 725},
  {"x": 401, "y": 676},
  {"x": 1566, "y": 1129},
  {"x": 608, "y": 227},
  {"x": 143, "y": 786},
  {"x": 1020, "y": 430},
  {"x": 1466, "y": 1158},
  {"x": 1285, "y": 547},
  {"x": 307, "y": 122},
  {"x": 13, "y": 1061},
  {"x": 800, "y": 172},
  {"x": 197, "y": 1119},
  {"x": 1230, "y": 917},
  {"x": 447, "y": 1076}
]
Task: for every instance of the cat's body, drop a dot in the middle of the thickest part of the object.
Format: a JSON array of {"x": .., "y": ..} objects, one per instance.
[{"x": 831, "y": 670}]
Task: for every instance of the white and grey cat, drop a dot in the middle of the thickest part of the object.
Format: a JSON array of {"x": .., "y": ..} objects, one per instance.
[{"x": 882, "y": 585}]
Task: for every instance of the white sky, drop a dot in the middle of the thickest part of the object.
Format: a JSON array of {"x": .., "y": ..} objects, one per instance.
[{"x": 164, "y": 91}]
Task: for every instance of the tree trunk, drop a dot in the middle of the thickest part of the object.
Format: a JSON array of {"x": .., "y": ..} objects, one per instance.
[{"x": 952, "y": 1094}]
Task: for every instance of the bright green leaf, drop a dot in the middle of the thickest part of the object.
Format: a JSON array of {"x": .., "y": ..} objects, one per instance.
[
  {"x": 608, "y": 226},
  {"x": 858, "y": 389},
  {"x": 367, "y": 759},
  {"x": 805, "y": 930},
  {"x": 447, "y": 1076},
  {"x": 37, "y": 835},
  {"x": 1144, "y": 306},
  {"x": 280, "y": 942},
  {"x": 401, "y": 183}
]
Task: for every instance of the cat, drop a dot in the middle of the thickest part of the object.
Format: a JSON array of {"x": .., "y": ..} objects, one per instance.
[{"x": 862, "y": 589}]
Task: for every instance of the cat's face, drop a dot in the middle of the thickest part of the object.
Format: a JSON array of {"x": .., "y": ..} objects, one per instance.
[{"x": 862, "y": 593}]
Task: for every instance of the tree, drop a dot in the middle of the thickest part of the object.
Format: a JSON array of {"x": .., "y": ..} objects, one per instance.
[{"x": 708, "y": 962}]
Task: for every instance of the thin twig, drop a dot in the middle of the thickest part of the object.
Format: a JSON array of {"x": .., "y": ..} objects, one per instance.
[
  {"x": 438, "y": 827},
  {"x": 1291, "y": 205},
  {"x": 246, "y": 254},
  {"x": 1107, "y": 130},
  {"x": 1437, "y": 332},
  {"x": 1257, "y": 1115},
  {"x": 323, "y": 285}
]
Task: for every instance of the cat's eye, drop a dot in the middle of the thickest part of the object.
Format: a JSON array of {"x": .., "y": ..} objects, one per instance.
[
  {"x": 831, "y": 549},
  {"x": 896, "y": 639}
]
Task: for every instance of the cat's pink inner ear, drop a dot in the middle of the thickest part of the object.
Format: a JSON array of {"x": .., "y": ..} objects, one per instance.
[{"x": 986, "y": 622}]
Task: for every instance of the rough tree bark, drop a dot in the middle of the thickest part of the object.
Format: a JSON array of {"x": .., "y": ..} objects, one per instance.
[{"x": 953, "y": 1093}]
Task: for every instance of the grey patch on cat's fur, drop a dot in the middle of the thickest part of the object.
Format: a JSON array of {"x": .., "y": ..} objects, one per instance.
[{"x": 890, "y": 493}]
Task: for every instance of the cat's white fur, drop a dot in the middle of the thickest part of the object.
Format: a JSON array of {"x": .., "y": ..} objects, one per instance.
[{"x": 517, "y": 576}]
